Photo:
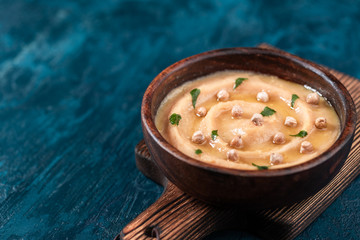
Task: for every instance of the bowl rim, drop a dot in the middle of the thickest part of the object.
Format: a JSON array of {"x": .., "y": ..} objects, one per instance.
[{"x": 345, "y": 135}]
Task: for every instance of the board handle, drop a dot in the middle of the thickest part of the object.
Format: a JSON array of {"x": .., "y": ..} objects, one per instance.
[
  {"x": 147, "y": 166},
  {"x": 176, "y": 215}
]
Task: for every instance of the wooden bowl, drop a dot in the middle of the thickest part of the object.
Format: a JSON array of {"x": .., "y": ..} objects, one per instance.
[{"x": 245, "y": 188}]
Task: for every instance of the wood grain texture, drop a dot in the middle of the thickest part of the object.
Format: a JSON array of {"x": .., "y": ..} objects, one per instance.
[
  {"x": 281, "y": 223},
  {"x": 177, "y": 215}
]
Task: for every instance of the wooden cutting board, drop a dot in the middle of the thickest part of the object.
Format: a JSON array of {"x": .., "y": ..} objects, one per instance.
[{"x": 176, "y": 215}]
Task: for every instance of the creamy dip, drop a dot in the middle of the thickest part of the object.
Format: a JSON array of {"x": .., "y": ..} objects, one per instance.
[{"x": 244, "y": 120}]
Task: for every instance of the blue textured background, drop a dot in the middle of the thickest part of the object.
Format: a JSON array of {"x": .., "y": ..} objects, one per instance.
[{"x": 72, "y": 74}]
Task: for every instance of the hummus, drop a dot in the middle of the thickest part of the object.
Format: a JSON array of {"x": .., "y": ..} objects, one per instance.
[{"x": 247, "y": 120}]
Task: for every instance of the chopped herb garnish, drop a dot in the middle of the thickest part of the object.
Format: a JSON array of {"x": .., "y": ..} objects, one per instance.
[
  {"x": 268, "y": 112},
  {"x": 302, "y": 134},
  {"x": 239, "y": 81},
  {"x": 260, "y": 167},
  {"x": 293, "y": 99},
  {"x": 198, "y": 151},
  {"x": 214, "y": 134},
  {"x": 175, "y": 119},
  {"x": 194, "y": 95}
]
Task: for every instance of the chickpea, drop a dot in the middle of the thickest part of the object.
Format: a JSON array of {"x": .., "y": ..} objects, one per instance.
[
  {"x": 276, "y": 158},
  {"x": 306, "y": 147},
  {"x": 257, "y": 119},
  {"x": 320, "y": 123},
  {"x": 313, "y": 98},
  {"x": 236, "y": 111},
  {"x": 198, "y": 137},
  {"x": 290, "y": 122},
  {"x": 232, "y": 155},
  {"x": 262, "y": 96},
  {"x": 279, "y": 138},
  {"x": 237, "y": 142},
  {"x": 223, "y": 95},
  {"x": 201, "y": 112}
]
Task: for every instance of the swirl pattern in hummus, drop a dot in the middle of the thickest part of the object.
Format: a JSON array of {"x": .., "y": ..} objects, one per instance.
[{"x": 257, "y": 140}]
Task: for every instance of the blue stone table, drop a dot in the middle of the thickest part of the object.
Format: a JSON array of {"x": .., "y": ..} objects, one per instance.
[{"x": 72, "y": 75}]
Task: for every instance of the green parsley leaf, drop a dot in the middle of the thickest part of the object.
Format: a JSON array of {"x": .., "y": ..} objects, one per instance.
[
  {"x": 260, "y": 167},
  {"x": 293, "y": 99},
  {"x": 239, "y": 81},
  {"x": 302, "y": 134},
  {"x": 198, "y": 151},
  {"x": 214, "y": 134},
  {"x": 194, "y": 95},
  {"x": 175, "y": 119},
  {"x": 268, "y": 112}
]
